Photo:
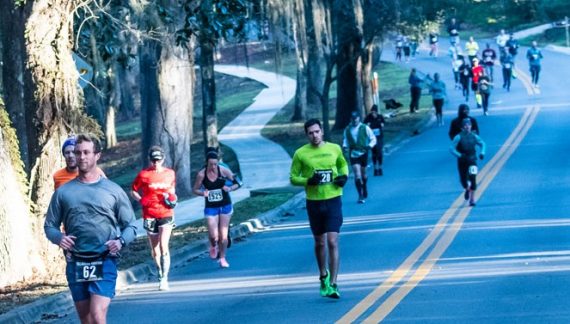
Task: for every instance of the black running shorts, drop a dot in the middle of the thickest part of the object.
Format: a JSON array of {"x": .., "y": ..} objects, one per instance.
[{"x": 325, "y": 215}]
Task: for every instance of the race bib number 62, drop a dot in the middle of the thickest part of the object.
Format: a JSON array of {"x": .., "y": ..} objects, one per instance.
[{"x": 89, "y": 271}]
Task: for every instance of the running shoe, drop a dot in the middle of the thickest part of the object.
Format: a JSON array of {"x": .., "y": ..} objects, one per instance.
[
  {"x": 472, "y": 203},
  {"x": 325, "y": 284},
  {"x": 213, "y": 252},
  {"x": 333, "y": 292},
  {"x": 224, "y": 263},
  {"x": 163, "y": 285}
]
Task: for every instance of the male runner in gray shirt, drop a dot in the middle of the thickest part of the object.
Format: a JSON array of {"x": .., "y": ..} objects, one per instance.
[{"x": 99, "y": 220}]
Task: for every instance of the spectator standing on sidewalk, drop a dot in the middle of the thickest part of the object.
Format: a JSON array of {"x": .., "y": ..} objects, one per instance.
[
  {"x": 439, "y": 94},
  {"x": 376, "y": 121},
  {"x": 154, "y": 188},
  {"x": 415, "y": 90},
  {"x": 534, "y": 56},
  {"x": 99, "y": 221},
  {"x": 320, "y": 167},
  {"x": 358, "y": 140}
]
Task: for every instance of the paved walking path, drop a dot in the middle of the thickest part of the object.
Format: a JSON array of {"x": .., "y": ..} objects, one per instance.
[{"x": 263, "y": 163}]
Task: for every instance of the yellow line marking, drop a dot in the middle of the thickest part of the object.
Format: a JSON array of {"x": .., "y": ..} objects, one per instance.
[
  {"x": 451, "y": 232},
  {"x": 525, "y": 79},
  {"x": 441, "y": 225}
]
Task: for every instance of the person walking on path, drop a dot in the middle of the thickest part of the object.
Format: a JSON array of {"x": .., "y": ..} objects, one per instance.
[
  {"x": 457, "y": 123},
  {"x": 376, "y": 121},
  {"x": 464, "y": 77},
  {"x": 320, "y": 167},
  {"x": 507, "y": 63},
  {"x": 471, "y": 48},
  {"x": 70, "y": 171},
  {"x": 476, "y": 73},
  {"x": 501, "y": 41},
  {"x": 489, "y": 56},
  {"x": 464, "y": 147},
  {"x": 438, "y": 94},
  {"x": 99, "y": 221},
  {"x": 357, "y": 141},
  {"x": 154, "y": 188},
  {"x": 456, "y": 56},
  {"x": 215, "y": 182},
  {"x": 534, "y": 56},
  {"x": 484, "y": 89},
  {"x": 415, "y": 90},
  {"x": 453, "y": 31}
]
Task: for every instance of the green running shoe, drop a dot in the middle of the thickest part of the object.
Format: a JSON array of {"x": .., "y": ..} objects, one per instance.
[
  {"x": 325, "y": 284},
  {"x": 333, "y": 292}
]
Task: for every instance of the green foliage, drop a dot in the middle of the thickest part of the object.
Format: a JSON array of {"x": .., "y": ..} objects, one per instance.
[
  {"x": 213, "y": 20},
  {"x": 11, "y": 142}
]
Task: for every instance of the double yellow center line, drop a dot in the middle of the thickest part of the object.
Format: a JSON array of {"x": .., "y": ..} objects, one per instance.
[{"x": 441, "y": 237}]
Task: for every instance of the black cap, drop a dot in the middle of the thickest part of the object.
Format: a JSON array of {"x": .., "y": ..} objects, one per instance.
[{"x": 156, "y": 154}]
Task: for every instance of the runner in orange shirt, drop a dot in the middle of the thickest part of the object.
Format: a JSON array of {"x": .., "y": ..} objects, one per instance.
[{"x": 70, "y": 172}]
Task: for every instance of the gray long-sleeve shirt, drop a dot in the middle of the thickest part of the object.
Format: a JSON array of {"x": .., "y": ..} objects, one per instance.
[{"x": 93, "y": 212}]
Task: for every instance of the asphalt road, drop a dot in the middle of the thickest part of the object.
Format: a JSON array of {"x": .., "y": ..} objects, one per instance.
[{"x": 414, "y": 252}]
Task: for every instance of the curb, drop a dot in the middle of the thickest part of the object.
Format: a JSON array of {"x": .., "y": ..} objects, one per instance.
[{"x": 61, "y": 305}]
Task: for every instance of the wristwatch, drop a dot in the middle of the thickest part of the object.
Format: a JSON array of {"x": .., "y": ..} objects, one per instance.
[{"x": 122, "y": 240}]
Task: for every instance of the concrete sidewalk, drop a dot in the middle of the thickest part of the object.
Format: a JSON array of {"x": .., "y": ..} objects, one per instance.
[{"x": 263, "y": 163}]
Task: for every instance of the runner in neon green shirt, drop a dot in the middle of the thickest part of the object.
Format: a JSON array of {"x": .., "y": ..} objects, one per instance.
[{"x": 321, "y": 168}]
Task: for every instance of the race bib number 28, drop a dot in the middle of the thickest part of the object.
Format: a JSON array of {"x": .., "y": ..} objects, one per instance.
[{"x": 325, "y": 176}]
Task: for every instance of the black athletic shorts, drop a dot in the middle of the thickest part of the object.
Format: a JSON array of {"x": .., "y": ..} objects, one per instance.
[
  {"x": 152, "y": 224},
  {"x": 325, "y": 215},
  {"x": 362, "y": 160}
]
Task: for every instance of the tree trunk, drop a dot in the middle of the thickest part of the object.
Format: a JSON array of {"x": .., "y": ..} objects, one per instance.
[
  {"x": 151, "y": 115},
  {"x": 209, "y": 119},
  {"x": 300, "y": 38},
  {"x": 19, "y": 251},
  {"x": 58, "y": 106},
  {"x": 12, "y": 25},
  {"x": 313, "y": 16},
  {"x": 349, "y": 40},
  {"x": 367, "y": 91},
  {"x": 176, "y": 84}
]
